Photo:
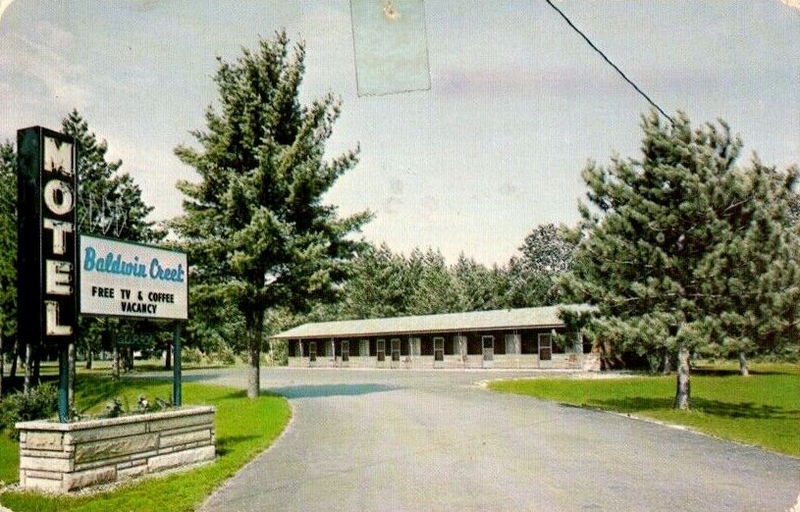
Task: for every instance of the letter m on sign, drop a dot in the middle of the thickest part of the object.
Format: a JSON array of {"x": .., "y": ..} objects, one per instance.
[{"x": 57, "y": 156}]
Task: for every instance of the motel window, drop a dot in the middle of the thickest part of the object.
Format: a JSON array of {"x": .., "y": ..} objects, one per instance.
[
  {"x": 529, "y": 343},
  {"x": 312, "y": 351},
  {"x": 363, "y": 348},
  {"x": 395, "y": 349},
  {"x": 545, "y": 347},
  {"x": 438, "y": 349},
  {"x": 426, "y": 348},
  {"x": 474, "y": 345},
  {"x": 345, "y": 350},
  {"x": 450, "y": 347},
  {"x": 381, "y": 350}
]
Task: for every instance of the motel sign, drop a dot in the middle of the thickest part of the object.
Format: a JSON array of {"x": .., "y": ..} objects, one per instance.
[{"x": 47, "y": 250}]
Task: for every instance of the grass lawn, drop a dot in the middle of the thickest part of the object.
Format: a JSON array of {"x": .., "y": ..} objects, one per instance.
[
  {"x": 763, "y": 409},
  {"x": 243, "y": 427}
]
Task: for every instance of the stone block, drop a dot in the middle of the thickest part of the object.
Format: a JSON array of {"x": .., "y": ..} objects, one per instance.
[
  {"x": 97, "y": 476},
  {"x": 45, "y": 464},
  {"x": 181, "y": 421},
  {"x": 131, "y": 472},
  {"x": 43, "y": 484},
  {"x": 182, "y": 458},
  {"x": 50, "y": 475},
  {"x": 43, "y": 441},
  {"x": 111, "y": 448},
  {"x": 44, "y": 453},
  {"x": 105, "y": 432},
  {"x": 185, "y": 438}
]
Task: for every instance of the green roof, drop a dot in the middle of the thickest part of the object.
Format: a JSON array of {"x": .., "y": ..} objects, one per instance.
[{"x": 501, "y": 319}]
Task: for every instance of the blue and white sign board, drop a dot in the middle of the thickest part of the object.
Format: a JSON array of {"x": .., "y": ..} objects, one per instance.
[{"x": 132, "y": 280}]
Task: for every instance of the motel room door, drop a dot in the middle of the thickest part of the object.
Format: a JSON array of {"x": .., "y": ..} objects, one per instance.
[{"x": 488, "y": 351}]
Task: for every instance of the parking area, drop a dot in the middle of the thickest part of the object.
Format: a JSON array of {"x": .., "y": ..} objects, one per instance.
[{"x": 437, "y": 440}]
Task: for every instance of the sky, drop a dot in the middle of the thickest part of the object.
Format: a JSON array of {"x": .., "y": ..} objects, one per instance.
[{"x": 517, "y": 103}]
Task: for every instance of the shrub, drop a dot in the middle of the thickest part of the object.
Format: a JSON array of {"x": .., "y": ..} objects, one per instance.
[
  {"x": 40, "y": 403},
  {"x": 191, "y": 355}
]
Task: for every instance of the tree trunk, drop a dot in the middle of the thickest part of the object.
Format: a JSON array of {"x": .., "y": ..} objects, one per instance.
[
  {"x": 26, "y": 385},
  {"x": 114, "y": 355},
  {"x": 71, "y": 364},
  {"x": 683, "y": 391},
  {"x": 168, "y": 358},
  {"x": 2, "y": 364},
  {"x": 89, "y": 358},
  {"x": 667, "y": 369},
  {"x": 254, "y": 328},
  {"x": 12, "y": 374},
  {"x": 743, "y": 370},
  {"x": 36, "y": 353}
]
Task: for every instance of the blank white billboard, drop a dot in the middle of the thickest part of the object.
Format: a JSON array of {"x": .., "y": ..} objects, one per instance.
[{"x": 132, "y": 280}]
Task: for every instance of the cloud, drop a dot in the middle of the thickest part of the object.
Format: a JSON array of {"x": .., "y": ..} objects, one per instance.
[
  {"x": 3, "y": 6},
  {"x": 40, "y": 58},
  {"x": 792, "y": 3}
]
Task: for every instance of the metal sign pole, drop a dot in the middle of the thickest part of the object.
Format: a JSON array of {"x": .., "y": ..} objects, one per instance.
[
  {"x": 176, "y": 367},
  {"x": 63, "y": 384}
]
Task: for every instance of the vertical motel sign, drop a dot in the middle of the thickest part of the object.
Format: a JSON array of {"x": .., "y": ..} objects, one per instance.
[{"x": 47, "y": 244}]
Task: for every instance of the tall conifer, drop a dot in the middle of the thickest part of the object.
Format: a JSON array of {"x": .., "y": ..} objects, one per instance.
[
  {"x": 255, "y": 226},
  {"x": 682, "y": 250}
]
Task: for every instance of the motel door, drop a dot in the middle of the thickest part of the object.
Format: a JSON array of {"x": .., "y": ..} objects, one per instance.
[
  {"x": 438, "y": 352},
  {"x": 488, "y": 350},
  {"x": 545, "y": 350}
]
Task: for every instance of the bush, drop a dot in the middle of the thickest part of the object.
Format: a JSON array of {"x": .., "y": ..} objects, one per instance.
[
  {"x": 40, "y": 403},
  {"x": 191, "y": 355}
]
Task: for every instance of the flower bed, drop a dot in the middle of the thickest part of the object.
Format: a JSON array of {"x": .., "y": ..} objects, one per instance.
[{"x": 61, "y": 457}]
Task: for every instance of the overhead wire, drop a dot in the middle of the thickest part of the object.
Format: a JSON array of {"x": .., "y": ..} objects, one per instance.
[{"x": 605, "y": 57}]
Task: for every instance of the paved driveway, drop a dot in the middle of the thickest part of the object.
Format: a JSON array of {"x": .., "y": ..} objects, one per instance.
[{"x": 417, "y": 440}]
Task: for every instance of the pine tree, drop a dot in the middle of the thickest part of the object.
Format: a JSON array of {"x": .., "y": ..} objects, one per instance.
[
  {"x": 545, "y": 255},
  {"x": 435, "y": 289},
  {"x": 750, "y": 281},
  {"x": 110, "y": 202},
  {"x": 480, "y": 288},
  {"x": 8, "y": 250},
  {"x": 255, "y": 227},
  {"x": 664, "y": 240},
  {"x": 376, "y": 285}
]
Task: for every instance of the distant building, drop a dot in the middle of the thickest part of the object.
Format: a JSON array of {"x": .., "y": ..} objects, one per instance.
[{"x": 507, "y": 338}]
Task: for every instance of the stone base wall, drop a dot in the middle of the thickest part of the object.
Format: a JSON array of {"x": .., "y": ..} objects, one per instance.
[
  {"x": 501, "y": 361},
  {"x": 61, "y": 457}
]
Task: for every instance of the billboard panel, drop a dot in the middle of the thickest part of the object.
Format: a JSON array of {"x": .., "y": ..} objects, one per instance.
[{"x": 120, "y": 278}]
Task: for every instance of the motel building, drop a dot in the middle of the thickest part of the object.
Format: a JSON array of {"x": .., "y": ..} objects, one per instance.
[{"x": 508, "y": 338}]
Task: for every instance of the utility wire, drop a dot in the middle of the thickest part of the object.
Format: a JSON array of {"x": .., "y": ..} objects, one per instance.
[{"x": 598, "y": 50}]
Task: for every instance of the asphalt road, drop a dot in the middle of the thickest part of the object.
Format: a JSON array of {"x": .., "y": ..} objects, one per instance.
[{"x": 416, "y": 440}]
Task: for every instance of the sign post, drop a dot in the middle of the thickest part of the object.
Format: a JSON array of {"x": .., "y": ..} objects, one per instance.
[
  {"x": 47, "y": 247},
  {"x": 176, "y": 368}
]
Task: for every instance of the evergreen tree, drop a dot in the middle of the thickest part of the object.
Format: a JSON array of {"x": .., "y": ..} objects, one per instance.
[
  {"x": 110, "y": 202},
  {"x": 255, "y": 227},
  {"x": 750, "y": 280},
  {"x": 480, "y": 288},
  {"x": 8, "y": 251},
  {"x": 434, "y": 289},
  {"x": 662, "y": 241},
  {"x": 377, "y": 285},
  {"x": 545, "y": 255}
]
